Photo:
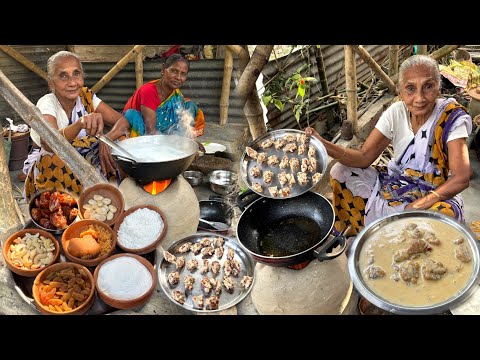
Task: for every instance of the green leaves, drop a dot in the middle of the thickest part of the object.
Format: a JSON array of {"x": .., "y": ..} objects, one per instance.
[
  {"x": 280, "y": 105},
  {"x": 266, "y": 99},
  {"x": 293, "y": 90},
  {"x": 300, "y": 91}
]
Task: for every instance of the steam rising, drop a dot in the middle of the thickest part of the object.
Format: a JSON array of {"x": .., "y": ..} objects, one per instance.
[{"x": 185, "y": 125}]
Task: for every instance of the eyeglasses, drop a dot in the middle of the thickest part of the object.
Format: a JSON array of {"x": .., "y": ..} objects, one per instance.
[{"x": 76, "y": 76}]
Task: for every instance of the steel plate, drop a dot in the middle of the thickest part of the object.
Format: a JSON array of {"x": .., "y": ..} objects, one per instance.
[
  {"x": 226, "y": 300},
  {"x": 246, "y": 163},
  {"x": 367, "y": 292}
]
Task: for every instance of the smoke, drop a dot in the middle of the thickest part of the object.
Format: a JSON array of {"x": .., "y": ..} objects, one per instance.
[{"x": 185, "y": 125}]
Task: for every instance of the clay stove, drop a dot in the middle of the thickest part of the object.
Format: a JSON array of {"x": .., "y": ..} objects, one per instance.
[
  {"x": 177, "y": 200},
  {"x": 319, "y": 288}
]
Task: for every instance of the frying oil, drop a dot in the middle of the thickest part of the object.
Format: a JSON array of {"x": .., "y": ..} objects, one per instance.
[{"x": 289, "y": 237}]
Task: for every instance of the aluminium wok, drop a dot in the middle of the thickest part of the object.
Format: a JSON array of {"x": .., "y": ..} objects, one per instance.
[{"x": 174, "y": 153}]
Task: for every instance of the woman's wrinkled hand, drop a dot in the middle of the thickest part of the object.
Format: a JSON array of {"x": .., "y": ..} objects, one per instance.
[
  {"x": 92, "y": 123},
  {"x": 107, "y": 163},
  {"x": 309, "y": 131}
]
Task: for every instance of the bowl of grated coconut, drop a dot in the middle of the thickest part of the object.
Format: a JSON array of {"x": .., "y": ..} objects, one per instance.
[{"x": 140, "y": 229}]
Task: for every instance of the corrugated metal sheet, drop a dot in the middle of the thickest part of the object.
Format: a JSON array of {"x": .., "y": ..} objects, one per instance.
[
  {"x": 334, "y": 61},
  {"x": 29, "y": 83},
  {"x": 204, "y": 85}
]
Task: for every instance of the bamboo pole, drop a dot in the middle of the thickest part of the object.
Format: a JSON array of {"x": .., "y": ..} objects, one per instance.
[
  {"x": 246, "y": 83},
  {"x": 393, "y": 60},
  {"x": 443, "y": 51},
  {"x": 139, "y": 69},
  {"x": 24, "y": 61},
  {"x": 225, "y": 96},
  {"x": 321, "y": 72},
  {"x": 374, "y": 66},
  {"x": 422, "y": 49},
  {"x": 9, "y": 222},
  {"x": 238, "y": 50},
  {"x": 81, "y": 168},
  {"x": 349, "y": 125},
  {"x": 119, "y": 66}
]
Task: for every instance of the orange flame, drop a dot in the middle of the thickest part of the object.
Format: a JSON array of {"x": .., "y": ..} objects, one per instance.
[{"x": 157, "y": 186}]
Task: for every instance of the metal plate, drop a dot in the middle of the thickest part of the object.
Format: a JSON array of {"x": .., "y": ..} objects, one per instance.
[
  {"x": 23, "y": 285},
  {"x": 226, "y": 300},
  {"x": 365, "y": 290},
  {"x": 246, "y": 163}
]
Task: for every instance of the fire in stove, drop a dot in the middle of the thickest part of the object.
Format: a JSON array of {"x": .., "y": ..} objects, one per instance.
[{"x": 157, "y": 186}]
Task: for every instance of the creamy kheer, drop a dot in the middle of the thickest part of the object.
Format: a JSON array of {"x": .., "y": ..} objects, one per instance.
[{"x": 416, "y": 262}]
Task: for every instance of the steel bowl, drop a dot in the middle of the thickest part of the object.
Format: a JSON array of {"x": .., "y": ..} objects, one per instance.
[
  {"x": 221, "y": 180},
  {"x": 194, "y": 178},
  {"x": 367, "y": 292}
]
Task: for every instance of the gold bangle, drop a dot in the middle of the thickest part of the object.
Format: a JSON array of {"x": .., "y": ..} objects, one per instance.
[
  {"x": 436, "y": 194},
  {"x": 63, "y": 133},
  {"x": 344, "y": 153}
]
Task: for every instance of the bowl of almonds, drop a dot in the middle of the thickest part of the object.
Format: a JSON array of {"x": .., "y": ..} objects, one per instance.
[{"x": 102, "y": 202}]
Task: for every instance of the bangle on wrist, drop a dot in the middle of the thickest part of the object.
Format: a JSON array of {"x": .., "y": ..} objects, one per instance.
[
  {"x": 436, "y": 194},
  {"x": 63, "y": 133},
  {"x": 343, "y": 155}
]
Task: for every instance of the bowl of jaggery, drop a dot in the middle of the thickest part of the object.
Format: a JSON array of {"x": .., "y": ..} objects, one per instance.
[{"x": 88, "y": 242}]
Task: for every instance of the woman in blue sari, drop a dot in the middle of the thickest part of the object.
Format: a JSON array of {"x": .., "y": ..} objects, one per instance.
[
  {"x": 430, "y": 167},
  {"x": 159, "y": 107}
]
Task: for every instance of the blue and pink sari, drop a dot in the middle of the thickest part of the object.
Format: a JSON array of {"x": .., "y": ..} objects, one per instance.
[{"x": 175, "y": 115}]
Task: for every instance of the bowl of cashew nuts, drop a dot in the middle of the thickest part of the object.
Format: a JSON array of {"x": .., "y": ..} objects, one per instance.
[{"x": 29, "y": 251}]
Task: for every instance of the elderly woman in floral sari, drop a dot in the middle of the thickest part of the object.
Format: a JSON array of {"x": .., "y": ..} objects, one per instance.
[
  {"x": 159, "y": 107},
  {"x": 430, "y": 167},
  {"x": 78, "y": 114}
]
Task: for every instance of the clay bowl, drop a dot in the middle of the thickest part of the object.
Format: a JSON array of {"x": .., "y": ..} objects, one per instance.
[
  {"x": 32, "y": 205},
  {"x": 106, "y": 191},
  {"x": 23, "y": 271},
  {"x": 78, "y": 227},
  {"x": 56, "y": 268},
  {"x": 142, "y": 227},
  {"x": 123, "y": 274}
]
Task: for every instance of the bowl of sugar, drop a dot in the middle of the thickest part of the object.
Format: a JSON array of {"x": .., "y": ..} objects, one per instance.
[
  {"x": 140, "y": 229},
  {"x": 125, "y": 281}
]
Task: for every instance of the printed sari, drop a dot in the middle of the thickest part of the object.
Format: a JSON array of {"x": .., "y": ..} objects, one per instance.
[
  {"x": 48, "y": 171},
  {"x": 174, "y": 115},
  {"x": 361, "y": 196}
]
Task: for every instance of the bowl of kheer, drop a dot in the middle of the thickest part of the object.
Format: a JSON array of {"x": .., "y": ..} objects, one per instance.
[{"x": 415, "y": 262}]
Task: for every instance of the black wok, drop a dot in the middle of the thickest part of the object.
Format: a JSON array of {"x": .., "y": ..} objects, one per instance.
[
  {"x": 180, "y": 153},
  {"x": 289, "y": 231},
  {"x": 214, "y": 210}
]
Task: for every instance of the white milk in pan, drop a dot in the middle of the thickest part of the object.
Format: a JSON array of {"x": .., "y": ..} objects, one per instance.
[{"x": 149, "y": 152}]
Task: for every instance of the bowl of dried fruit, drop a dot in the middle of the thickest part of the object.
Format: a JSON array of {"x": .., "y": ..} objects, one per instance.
[
  {"x": 88, "y": 242},
  {"x": 53, "y": 211},
  {"x": 102, "y": 202},
  {"x": 29, "y": 251},
  {"x": 65, "y": 288}
]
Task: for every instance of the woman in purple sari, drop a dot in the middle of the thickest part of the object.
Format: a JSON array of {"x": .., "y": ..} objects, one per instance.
[{"x": 430, "y": 167}]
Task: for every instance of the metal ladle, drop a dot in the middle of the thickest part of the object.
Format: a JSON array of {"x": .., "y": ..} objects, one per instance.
[
  {"x": 216, "y": 225},
  {"x": 124, "y": 153}
]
